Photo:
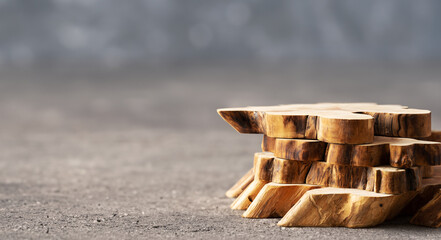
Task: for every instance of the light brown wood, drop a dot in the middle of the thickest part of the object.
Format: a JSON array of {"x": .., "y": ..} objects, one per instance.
[
  {"x": 240, "y": 185},
  {"x": 299, "y": 149},
  {"x": 263, "y": 170},
  {"x": 268, "y": 144},
  {"x": 275, "y": 199},
  {"x": 289, "y": 171},
  {"x": 397, "y": 152},
  {"x": 341, "y": 207},
  {"x": 430, "y": 214},
  {"x": 330, "y": 122},
  {"x": 376, "y": 179}
]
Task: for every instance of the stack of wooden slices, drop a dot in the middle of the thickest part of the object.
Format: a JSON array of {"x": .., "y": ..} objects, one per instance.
[{"x": 339, "y": 164}]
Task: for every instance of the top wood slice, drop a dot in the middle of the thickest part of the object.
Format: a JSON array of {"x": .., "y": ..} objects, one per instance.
[{"x": 348, "y": 123}]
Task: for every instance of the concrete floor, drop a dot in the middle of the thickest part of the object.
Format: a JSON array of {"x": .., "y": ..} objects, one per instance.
[{"x": 143, "y": 154}]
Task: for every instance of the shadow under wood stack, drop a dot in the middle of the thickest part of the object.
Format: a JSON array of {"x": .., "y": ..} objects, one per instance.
[{"x": 371, "y": 162}]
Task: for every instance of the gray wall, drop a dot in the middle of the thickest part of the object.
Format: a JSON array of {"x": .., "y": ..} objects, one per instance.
[{"x": 115, "y": 32}]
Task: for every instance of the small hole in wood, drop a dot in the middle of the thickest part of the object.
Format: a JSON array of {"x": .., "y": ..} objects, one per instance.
[
  {"x": 249, "y": 198},
  {"x": 381, "y": 204}
]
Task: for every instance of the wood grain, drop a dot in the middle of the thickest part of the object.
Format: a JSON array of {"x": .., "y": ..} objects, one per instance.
[
  {"x": 341, "y": 207},
  {"x": 376, "y": 179},
  {"x": 430, "y": 214},
  {"x": 397, "y": 152},
  {"x": 275, "y": 199},
  {"x": 268, "y": 144},
  {"x": 299, "y": 149},
  {"x": 263, "y": 170},
  {"x": 290, "y": 171},
  {"x": 330, "y": 122}
]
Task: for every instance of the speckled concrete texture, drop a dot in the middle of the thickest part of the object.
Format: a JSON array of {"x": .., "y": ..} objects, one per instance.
[{"x": 137, "y": 154}]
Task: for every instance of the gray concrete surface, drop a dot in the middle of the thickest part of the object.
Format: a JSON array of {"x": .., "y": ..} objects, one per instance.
[{"x": 137, "y": 154}]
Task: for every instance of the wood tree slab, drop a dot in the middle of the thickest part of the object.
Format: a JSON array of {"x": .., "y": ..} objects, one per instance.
[
  {"x": 330, "y": 122},
  {"x": 275, "y": 199},
  {"x": 434, "y": 136},
  {"x": 299, "y": 149},
  {"x": 268, "y": 144},
  {"x": 240, "y": 185},
  {"x": 398, "y": 152},
  {"x": 290, "y": 171},
  {"x": 263, "y": 170},
  {"x": 376, "y": 179},
  {"x": 341, "y": 207},
  {"x": 427, "y": 171},
  {"x": 429, "y": 189},
  {"x": 430, "y": 214}
]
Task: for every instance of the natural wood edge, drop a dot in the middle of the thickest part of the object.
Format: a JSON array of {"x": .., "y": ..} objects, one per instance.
[
  {"x": 427, "y": 171},
  {"x": 397, "y": 152},
  {"x": 381, "y": 179},
  {"x": 330, "y": 122},
  {"x": 430, "y": 214},
  {"x": 275, "y": 200},
  {"x": 243, "y": 201},
  {"x": 350, "y": 208},
  {"x": 268, "y": 144}
]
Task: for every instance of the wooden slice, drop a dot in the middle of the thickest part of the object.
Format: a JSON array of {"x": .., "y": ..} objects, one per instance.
[
  {"x": 263, "y": 169},
  {"x": 330, "y": 122},
  {"x": 377, "y": 179},
  {"x": 425, "y": 206},
  {"x": 406, "y": 152},
  {"x": 398, "y": 152},
  {"x": 430, "y": 187},
  {"x": 435, "y": 136},
  {"x": 427, "y": 171},
  {"x": 268, "y": 144},
  {"x": 275, "y": 199},
  {"x": 248, "y": 195},
  {"x": 240, "y": 185},
  {"x": 289, "y": 171},
  {"x": 430, "y": 214},
  {"x": 342, "y": 207},
  {"x": 299, "y": 149}
]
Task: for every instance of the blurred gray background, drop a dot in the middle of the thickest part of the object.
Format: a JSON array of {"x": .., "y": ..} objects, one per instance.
[
  {"x": 115, "y": 33},
  {"x": 108, "y": 113}
]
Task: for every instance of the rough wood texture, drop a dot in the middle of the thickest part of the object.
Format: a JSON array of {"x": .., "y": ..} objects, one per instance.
[
  {"x": 411, "y": 152},
  {"x": 330, "y": 122},
  {"x": 268, "y": 144},
  {"x": 434, "y": 136},
  {"x": 299, "y": 149},
  {"x": 430, "y": 186},
  {"x": 376, "y": 179},
  {"x": 240, "y": 185},
  {"x": 275, "y": 199},
  {"x": 430, "y": 214},
  {"x": 340, "y": 207},
  {"x": 246, "y": 197},
  {"x": 289, "y": 171},
  {"x": 328, "y": 126},
  {"x": 263, "y": 169},
  {"x": 427, "y": 171},
  {"x": 398, "y": 152}
]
